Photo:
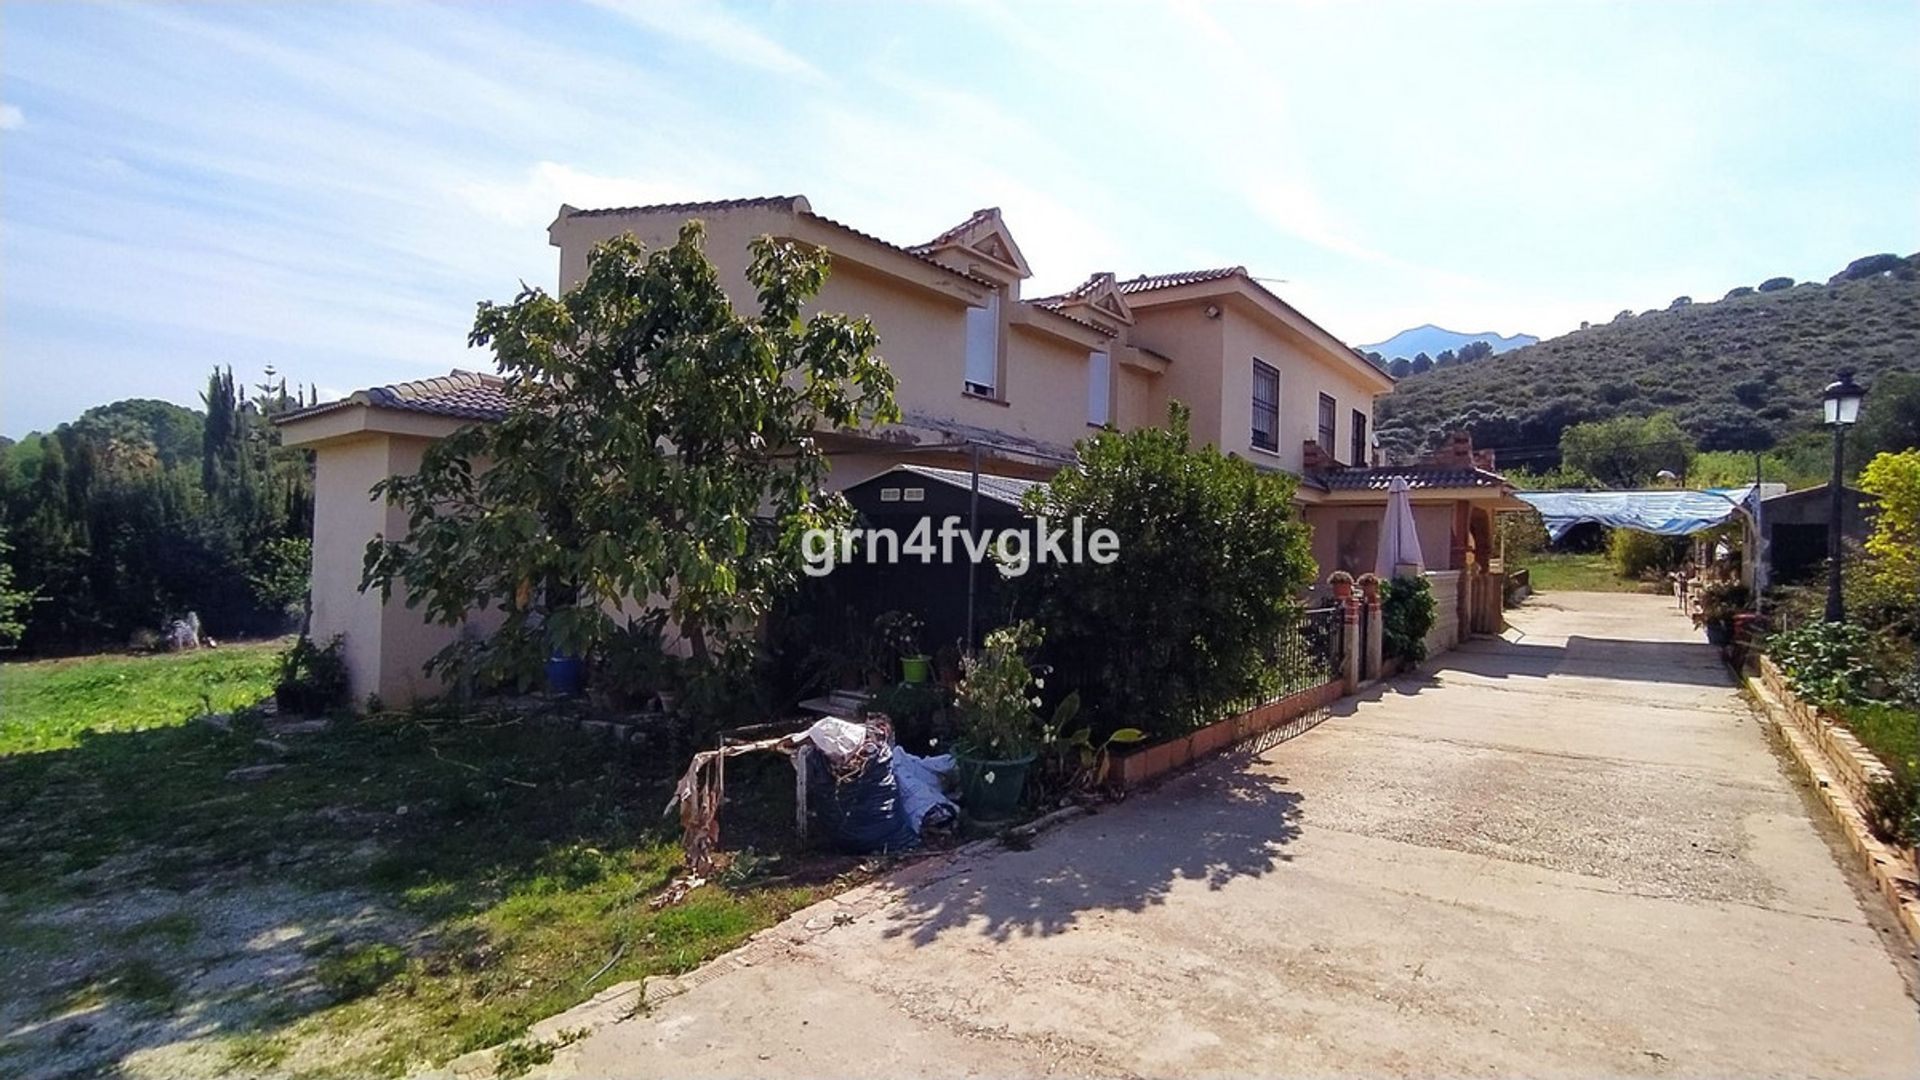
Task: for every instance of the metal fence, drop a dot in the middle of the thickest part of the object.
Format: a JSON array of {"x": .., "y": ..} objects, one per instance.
[{"x": 1308, "y": 653}]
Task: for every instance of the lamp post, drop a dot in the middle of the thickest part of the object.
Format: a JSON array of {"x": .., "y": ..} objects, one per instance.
[{"x": 1843, "y": 408}]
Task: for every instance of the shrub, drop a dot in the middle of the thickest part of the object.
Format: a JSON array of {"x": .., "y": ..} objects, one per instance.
[
  {"x": 996, "y": 697},
  {"x": 1775, "y": 284},
  {"x": 1892, "y": 566},
  {"x": 1406, "y": 615},
  {"x": 1635, "y": 554},
  {"x": 1188, "y": 617},
  {"x": 313, "y": 678},
  {"x": 1829, "y": 664}
]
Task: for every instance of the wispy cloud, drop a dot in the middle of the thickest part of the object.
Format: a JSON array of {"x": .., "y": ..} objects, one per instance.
[
  {"x": 11, "y": 117},
  {"x": 711, "y": 27}
]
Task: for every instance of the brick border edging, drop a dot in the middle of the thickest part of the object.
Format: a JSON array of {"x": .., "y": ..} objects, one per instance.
[
  {"x": 1142, "y": 766},
  {"x": 1839, "y": 768}
]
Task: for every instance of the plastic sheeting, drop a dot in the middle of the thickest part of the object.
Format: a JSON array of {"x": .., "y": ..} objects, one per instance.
[{"x": 1667, "y": 513}]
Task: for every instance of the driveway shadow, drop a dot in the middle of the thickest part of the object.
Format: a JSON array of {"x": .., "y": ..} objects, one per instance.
[{"x": 1214, "y": 825}]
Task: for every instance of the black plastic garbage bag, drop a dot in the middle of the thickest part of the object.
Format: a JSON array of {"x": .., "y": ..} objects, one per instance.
[{"x": 858, "y": 807}]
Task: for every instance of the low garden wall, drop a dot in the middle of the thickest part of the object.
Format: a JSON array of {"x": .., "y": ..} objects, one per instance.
[
  {"x": 1446, "y": 611},
  {"x": 1149, "y": 763},
  {"x": 1852, "y": 763},
  {"x": 1841, "y": 769}
]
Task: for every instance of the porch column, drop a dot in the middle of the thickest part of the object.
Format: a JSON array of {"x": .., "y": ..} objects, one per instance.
[
  {"x": 1349, "y": 632},
  {"x": 1372, "y": 658}
]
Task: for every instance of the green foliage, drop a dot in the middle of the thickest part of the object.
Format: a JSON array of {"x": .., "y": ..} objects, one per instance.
[
  {"x": 359, "y": 970},
  {"x": 997, "y": 696},
  {"x": 1636, "y": 555},
  {"x": 14, "y": 602},
  {"x": 1627, "y": 451},
  {"x": 1074, "y": 763},
  {"x": 1889, "y": 418},
  {"x": 1567, "y": 571},
  {"x": 1188, "y": 618},
  {"x": 1519, "y": 535},
  {"x": 313, "y": 678},
  {"x": 1891, "y": 570},
  {"x": 1829, "y": 664},
  {"x": 1406, "y": 615},
  {"x": 1720, "y": 601},
  {"x": 1742, "y": 373},
  {"x": 140, "y": 511},
  {"x": 659, "y": 451}
]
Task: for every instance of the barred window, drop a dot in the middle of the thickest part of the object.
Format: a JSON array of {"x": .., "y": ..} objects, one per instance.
[{"x": 1266, "y": 406}]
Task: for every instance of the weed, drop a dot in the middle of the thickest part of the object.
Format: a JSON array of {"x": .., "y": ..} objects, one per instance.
[{"x": 360, "y": 970}]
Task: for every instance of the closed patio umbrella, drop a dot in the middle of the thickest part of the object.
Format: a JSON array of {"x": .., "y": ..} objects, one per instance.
[{"x": 1399, "y": 541}]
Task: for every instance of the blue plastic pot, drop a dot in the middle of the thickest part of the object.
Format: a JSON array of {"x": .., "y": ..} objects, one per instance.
[{"x": 566, "y": 675}]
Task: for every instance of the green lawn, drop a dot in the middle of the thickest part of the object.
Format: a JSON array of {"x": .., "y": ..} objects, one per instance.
[
  {"x": 47, "y": 704},
  {"x": 1552, "y": 572},
  {"x": 388, "y": 893},
  {"x": 1891, "y": 732}
]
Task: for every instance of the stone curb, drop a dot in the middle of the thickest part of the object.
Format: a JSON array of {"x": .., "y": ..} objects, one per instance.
[{"x": 1892, "y": 869}]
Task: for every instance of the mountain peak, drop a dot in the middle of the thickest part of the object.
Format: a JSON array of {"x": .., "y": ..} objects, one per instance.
[{"x": 1434, "y": 340}]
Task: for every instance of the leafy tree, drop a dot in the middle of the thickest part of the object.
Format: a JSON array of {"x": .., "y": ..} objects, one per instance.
[
  {"x": 1892, "y": 566},
  {"x": 1400, "y": 368},
  {"x": 1627, "y": 451},
  {"x": 1422, "y": 363},
  {"x": 1142, "y": 654},
  {"x": 659, "y": 454},
  {"x": 1680, "y": 302},
  {"x": 1445, "y": 359},
  {"x": 13, "y": 601},
  {"x": 1890, "y": 417},
  {"x": 1775, "y": 284},
  {"x": 1738, "y": 291}
]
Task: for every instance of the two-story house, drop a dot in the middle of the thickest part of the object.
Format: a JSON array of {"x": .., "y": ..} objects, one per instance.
[{"x": 986, "y": 377}]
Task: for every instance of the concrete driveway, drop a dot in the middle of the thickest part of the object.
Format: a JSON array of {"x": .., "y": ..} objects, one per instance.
[{"x": 1567, "y": 853}]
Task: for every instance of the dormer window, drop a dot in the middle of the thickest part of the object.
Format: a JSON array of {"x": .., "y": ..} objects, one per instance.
[{"x": 983, "y": 348}]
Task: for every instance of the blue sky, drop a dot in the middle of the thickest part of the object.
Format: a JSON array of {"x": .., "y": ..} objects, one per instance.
[{"x": 328, "y": 188}]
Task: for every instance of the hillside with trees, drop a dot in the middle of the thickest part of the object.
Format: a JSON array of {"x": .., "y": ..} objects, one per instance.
[
  {"x": 141, "y": 511},
  {"x": 1741, "y": 373}
]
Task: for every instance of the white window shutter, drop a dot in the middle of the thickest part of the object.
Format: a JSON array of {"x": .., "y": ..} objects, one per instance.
[
  {"x": 983, "y": 343},
  {"x": 1099, "y": 389}
]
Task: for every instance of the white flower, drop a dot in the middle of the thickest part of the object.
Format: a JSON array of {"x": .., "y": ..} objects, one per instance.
[
  {"x": 989, "y": 777},
  {"x": 933, "y": 743}
]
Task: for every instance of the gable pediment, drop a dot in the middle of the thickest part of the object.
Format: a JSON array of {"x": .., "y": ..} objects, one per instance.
[
  {"x": 983, "y": 237},
  {"x": 1100, "y": 295}
]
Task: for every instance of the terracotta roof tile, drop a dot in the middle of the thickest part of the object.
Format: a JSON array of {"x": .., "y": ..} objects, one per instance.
[
  {"x": 463, "y": 395},
  {"x": 773, "y": 202},
  {"x": 1418, "y": 478},
  {"x": 954, "y": 233}
]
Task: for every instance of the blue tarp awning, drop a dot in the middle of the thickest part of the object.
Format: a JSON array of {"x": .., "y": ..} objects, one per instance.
[{"x": 1668, "y": 513}]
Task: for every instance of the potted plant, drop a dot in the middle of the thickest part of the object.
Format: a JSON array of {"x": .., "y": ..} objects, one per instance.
[
  {"x": 900, "y": 630},
  {"x": 1720, "y": 601},
  {"x": 1000, "y": 733}
]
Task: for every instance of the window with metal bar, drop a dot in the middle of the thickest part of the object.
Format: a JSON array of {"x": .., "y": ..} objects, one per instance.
[
  {"x": 1266, "y": 406},
  {"x": 1329, "y": 411},
  {"x": 1360, "y": 455}
]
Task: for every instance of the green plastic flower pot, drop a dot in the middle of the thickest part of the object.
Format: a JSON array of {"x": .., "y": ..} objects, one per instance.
[
  {"x": 916, "y": 669},
  {"x": 991, "y": 789}
]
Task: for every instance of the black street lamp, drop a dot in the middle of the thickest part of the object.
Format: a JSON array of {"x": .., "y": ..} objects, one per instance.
[{"x": 1843, "y": 408}]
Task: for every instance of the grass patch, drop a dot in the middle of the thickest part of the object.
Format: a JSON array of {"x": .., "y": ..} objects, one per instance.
[
  {"x": 518, "y": 855},
  {"x": 52, "y": 704},
  {"x": 359, "y": 970},
  {"x": 1891, "y": 732},
  {"x": 1551, "y": 572}
]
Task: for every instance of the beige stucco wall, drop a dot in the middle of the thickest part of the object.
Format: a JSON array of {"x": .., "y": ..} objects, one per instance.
[
  {"x": 1193, "y": 378},
  {"x": 385, "y": 645},
  {"x": 1304, "y": 376},
  {"x": 918, "y": 310}
]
